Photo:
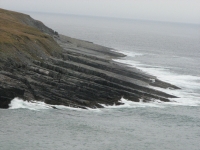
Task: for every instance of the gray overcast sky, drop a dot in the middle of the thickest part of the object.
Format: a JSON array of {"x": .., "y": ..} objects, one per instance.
[{"x": 163, "y": 10}]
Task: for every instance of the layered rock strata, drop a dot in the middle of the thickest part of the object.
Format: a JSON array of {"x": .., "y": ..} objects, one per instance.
[{"x": 38, "y": 64}]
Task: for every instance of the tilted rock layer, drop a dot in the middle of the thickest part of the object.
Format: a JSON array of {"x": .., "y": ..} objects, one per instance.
[{"x": 38, "y": 64}]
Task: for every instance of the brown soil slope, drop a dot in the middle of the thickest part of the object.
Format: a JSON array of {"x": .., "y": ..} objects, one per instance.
[{"x": 21, "y": 39}]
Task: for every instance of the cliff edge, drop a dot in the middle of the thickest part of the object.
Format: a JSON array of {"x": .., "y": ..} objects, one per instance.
[{"x": 38, "y": 64}]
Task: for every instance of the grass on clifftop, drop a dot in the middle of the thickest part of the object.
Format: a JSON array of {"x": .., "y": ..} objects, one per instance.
[{"x": 18, "y": 38}]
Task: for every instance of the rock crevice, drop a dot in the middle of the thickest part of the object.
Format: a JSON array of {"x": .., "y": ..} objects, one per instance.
[{"x": 61, "y": 70}]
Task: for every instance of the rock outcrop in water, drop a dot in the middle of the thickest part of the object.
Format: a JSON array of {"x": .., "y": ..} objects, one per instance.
[{"x": 37, "y": 63}]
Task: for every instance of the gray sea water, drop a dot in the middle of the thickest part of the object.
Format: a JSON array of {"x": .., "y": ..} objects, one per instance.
[{"x": 170, "y": 51}]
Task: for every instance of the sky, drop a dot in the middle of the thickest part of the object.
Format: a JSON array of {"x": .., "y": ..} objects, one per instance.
[{"x": 187, "y": 11}]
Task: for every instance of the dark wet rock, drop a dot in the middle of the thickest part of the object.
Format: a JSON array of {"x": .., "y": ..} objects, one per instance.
[
  {"x": 8, "y": 93},
  {"x": 65, "y": 71},
  {"x": 56, "y": 33}
]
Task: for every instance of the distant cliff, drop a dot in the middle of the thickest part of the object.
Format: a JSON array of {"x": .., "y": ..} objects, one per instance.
[{"x": 38, "y": 64}]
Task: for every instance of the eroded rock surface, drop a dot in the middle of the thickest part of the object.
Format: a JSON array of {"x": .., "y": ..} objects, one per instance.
[{"x": 60, "y": 70}]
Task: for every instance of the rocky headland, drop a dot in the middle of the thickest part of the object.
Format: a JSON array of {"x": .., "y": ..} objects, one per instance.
[{"x": 37, "y": 63}]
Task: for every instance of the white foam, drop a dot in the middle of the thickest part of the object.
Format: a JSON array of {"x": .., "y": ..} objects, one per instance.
[
  {"x": 188, "y": 94},
  {"x": 76, "y": 109},
  {"x": 131, "y": 54},
  {"x": 18, "y": 103},
  {"x": 190, "y": 85},
  {"x": 183, "y": 81},
  {"x": 131, "y": 104},
  {"x": 130, "y": 63}
]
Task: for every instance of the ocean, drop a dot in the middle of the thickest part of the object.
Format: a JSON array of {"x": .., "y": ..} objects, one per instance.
[{"x": 169, "y": 51}]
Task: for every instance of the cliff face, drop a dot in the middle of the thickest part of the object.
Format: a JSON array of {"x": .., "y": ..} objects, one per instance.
[
  {"x": 37, "y": 64},
  {"x": 21, "y": 38}
]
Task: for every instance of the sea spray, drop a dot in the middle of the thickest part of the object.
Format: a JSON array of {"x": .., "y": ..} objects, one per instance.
[
  {"x": 189, "y": 84},
  {"x": 18, "y": 103},
  {"x": 130, "y": 104}
]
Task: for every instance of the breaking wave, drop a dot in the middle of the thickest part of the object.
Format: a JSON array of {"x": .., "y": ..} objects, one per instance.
[
  {"x": 190, "y": 89},
  {"x": 189, "y": 94},
  {"x": 131, "y": 104},
  {"x": 17, "y": 103}
]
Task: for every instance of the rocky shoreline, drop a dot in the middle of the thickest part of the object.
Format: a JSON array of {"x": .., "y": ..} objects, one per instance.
[{"x": 61, "y": 70}]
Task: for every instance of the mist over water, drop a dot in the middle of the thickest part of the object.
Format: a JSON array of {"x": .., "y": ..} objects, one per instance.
[{"x": 166, "y": 50}]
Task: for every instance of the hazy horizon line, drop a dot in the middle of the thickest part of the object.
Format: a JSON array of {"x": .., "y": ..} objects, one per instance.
[
  {"x": 111, "y": 17},
  {"x": 134, "y": 19}
]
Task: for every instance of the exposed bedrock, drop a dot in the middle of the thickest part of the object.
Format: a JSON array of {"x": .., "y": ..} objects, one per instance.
[
  {"x": 71, "y": 72},
  {"x": 78, "y": 79}
]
